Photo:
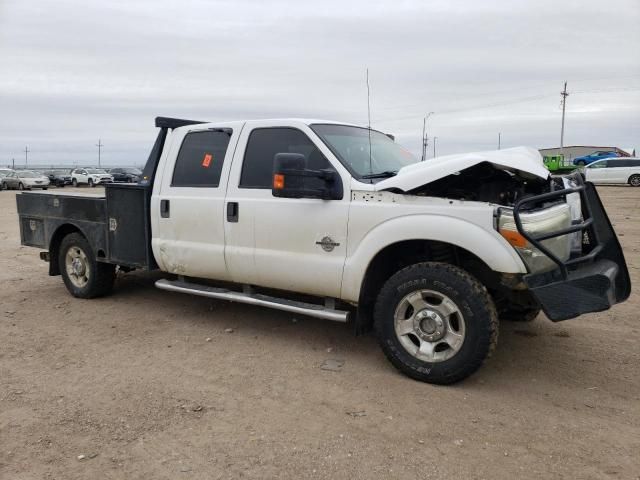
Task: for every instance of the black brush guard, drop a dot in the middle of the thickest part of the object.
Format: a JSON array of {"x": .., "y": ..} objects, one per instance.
[{"x": 591, "y": 282}]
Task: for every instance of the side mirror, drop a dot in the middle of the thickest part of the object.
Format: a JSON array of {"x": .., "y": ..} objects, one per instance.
[{"x": 291, "y": 179}]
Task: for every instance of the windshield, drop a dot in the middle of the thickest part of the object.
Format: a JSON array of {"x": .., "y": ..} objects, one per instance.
[
  {"x": 28, "y": 174},
  {"x": 95, "y": 170},
  {"x": 351, "y": 146}
]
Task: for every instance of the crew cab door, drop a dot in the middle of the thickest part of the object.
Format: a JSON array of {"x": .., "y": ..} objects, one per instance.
[
  {"x": 283, "y": 243},
  {"x": 188, "y": 203}
]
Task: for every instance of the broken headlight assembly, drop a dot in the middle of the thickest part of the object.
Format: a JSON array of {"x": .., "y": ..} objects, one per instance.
[{"x": 537, "y": 223}]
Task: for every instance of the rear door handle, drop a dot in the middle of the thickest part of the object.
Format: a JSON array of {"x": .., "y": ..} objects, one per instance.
[
  {"x": 164, "y": 208},
  {"x": 233, "y": 212}
]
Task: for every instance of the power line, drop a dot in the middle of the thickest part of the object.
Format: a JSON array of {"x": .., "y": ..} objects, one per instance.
[
  {"x": 99, "y": 145},
  {"x": 425, "y": 139},
  {"x": 563, "y": 103}
]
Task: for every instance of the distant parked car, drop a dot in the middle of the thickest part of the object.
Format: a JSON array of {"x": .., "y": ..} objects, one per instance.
[
  {"x": 593, "y": 157},
  {"x": 59, "y": 177},
  {"x": 615, "y": 170},
  {"x": 25, "y": 180},
  {"x": 3, "y": 173},
  {"x": 90, "y": 176},
  {"x": 125, "y": 174}
]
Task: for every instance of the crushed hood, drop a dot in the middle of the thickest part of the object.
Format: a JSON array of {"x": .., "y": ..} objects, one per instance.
[{"x": 525, "y": 161}]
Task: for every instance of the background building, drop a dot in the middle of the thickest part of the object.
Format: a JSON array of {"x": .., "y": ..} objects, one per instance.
[{"x": 574, "y": 151}]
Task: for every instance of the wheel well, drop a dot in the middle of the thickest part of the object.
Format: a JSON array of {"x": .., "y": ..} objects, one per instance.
[
  {"x": 54, "y": 245},
  {"x": 397, "y": 256}
]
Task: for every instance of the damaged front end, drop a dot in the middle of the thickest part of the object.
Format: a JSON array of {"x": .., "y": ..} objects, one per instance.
[{"x": 557, "y": 224}]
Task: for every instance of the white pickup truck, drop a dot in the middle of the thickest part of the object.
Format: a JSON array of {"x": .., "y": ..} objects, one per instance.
[{"x": 338, "y": 221}]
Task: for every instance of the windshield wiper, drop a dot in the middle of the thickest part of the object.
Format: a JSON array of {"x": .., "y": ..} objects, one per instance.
[{"x": 385, "y": 174}]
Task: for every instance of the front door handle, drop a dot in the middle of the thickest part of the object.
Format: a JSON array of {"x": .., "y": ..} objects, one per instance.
[
  {"x": 164, "y": 208},
  {"x": 233, "y": 212}
]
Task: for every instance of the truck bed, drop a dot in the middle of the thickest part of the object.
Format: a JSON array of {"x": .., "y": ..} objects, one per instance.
[{"x": 116, "y": 222}]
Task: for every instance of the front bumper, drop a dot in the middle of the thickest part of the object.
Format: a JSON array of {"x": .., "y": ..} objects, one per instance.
[{"x": 592, "y": 281}]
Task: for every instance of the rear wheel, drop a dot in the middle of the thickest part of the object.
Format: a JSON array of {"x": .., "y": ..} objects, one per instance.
[
  {"x": 634, "y": 180},
  {"x": 83, "y": 276},
  {"x": 581, "y": 163},
  {"x": 435, "y": 322}
]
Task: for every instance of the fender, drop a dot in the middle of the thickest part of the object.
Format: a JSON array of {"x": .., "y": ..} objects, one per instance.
[{"x": 485, "y": 243}]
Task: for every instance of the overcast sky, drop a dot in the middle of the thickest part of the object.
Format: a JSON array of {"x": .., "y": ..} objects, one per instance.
[{"x": 73, "y": 71}]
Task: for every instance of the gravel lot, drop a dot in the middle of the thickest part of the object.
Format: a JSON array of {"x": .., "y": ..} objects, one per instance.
[{"x": 152, "y": 385}]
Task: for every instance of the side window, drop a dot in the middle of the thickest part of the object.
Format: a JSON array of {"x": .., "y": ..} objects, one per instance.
[
  {"x": 262, "y": 146},
  {"x": 200, "y": 159}
]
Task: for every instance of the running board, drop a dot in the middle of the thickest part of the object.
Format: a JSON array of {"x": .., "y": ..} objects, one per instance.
[{"x": 302, "y": 308}]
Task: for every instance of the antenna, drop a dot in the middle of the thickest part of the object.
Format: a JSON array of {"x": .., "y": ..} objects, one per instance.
[{"x": 369, "y": 119}]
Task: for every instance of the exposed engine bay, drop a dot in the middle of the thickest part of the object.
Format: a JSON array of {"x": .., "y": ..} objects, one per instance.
[{"x": 486, "y": 183}]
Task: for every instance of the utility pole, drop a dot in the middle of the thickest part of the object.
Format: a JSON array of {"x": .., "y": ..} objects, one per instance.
[
  {"x": 425, "y": 139},
  {"x": 499, "y": 135},
  {"x": 434, "y": 146},
  {"x": 26, "y": 156},
  {"x": 99, "y": 145},
  {"x": 13, "y": 163},
  {"x": 563, "y": 102}
]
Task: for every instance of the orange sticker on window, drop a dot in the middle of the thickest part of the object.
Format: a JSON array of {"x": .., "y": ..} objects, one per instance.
[{"x": 206, "y": 161}]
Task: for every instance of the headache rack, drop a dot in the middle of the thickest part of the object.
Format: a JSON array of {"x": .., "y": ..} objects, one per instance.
[{"x": 595, "y": 279}]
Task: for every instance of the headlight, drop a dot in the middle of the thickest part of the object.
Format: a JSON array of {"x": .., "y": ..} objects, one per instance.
[{"x": 538, "y": 223}]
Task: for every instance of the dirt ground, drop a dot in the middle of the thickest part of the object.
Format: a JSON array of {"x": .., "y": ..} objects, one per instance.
[{"x": 146, "y": 384}]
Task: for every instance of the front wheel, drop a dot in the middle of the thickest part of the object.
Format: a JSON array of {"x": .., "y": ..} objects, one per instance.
[
  {"x": 634, "y": 180},
  {"x": 20, "y": 186},
  {"x": 91, "y": 183},
  {"x": 74, "y": 182},
  {"x": 82, "y": 274},
  {"x": 435, "y": 322}
]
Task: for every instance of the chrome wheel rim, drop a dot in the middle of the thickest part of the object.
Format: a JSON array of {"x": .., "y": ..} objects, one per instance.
[
  {"x": 77, "y": 266},
  {"x": 635, "y": 181},
  {"x": 429, "y": 326}
]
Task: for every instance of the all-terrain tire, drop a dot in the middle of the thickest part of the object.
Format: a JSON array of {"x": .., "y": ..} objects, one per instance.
[
  {"x": 473, "y": 301},
  {"x": 100, "y": 276},
  {"x": 634, "y": 180}
]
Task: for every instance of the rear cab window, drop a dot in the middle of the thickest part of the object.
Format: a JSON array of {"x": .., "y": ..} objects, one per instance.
[{"x": 200, "y": 159}]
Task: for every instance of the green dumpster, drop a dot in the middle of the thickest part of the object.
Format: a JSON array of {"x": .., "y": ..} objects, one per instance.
[{"x": 554, "y": 162}]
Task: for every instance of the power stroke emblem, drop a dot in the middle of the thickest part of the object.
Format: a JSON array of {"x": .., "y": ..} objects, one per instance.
[{"x": 327, "y": 244}]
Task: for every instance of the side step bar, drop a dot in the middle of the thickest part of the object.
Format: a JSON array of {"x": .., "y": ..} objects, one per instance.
[{"x": 302, "y": 308}]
